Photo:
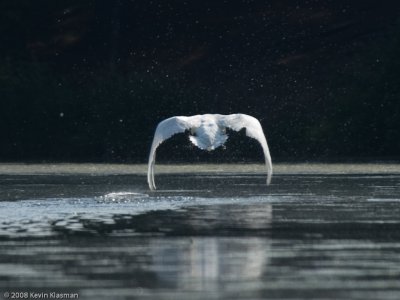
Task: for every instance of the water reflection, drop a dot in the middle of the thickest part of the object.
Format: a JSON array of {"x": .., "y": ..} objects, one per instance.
[
  {"x": 206, "y": 263},
  {"x": 215, "y": 267}
]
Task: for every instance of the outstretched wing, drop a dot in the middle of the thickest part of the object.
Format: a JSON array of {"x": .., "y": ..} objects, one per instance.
[
  {"x": 165, "y": 130},
  {"x": 253, "y": 130}
]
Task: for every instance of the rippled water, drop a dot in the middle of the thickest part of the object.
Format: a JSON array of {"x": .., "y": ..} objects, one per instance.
[{"x": 216, "y": 236}]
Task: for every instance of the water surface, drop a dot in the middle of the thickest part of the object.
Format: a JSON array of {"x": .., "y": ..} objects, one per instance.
[{"x": 203, "y": 235}]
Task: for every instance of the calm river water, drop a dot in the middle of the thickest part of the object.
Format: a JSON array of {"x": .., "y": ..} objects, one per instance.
[{"x": 205, "y": 235}]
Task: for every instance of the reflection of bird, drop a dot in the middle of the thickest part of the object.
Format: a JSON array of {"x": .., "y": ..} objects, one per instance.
[{"x": 207, "y": 132}]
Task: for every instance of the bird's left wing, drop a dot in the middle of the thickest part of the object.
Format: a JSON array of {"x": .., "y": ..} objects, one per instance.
[
  {"x": 165, "y": 130},
  {"x": 253, "y": 130}
]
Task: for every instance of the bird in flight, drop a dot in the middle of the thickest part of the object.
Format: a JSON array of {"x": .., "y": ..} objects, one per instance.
[{"x": 207, "y": 132}]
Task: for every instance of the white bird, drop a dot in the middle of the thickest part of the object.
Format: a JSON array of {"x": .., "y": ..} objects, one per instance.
[{"x": 207, "y": 132}]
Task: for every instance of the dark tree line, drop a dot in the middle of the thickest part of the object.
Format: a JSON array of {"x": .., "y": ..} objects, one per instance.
[{"x": 90, "y": 80}]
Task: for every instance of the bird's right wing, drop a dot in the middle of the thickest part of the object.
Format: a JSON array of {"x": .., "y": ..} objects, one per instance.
[
  {"x": 165, "y": 130},
  {"x": 253, "y": 130}
]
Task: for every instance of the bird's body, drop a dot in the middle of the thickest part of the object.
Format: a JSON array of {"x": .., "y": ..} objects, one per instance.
[
  {"x": 210, "y": 134},
  {"x": 207, "y": 132}
]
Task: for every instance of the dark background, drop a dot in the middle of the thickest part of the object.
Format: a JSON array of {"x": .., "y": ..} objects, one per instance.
[{"x": 89, "y": 80}]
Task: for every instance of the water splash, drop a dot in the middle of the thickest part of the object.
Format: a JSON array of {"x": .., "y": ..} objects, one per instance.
[{"x": 123, "y": 197}]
